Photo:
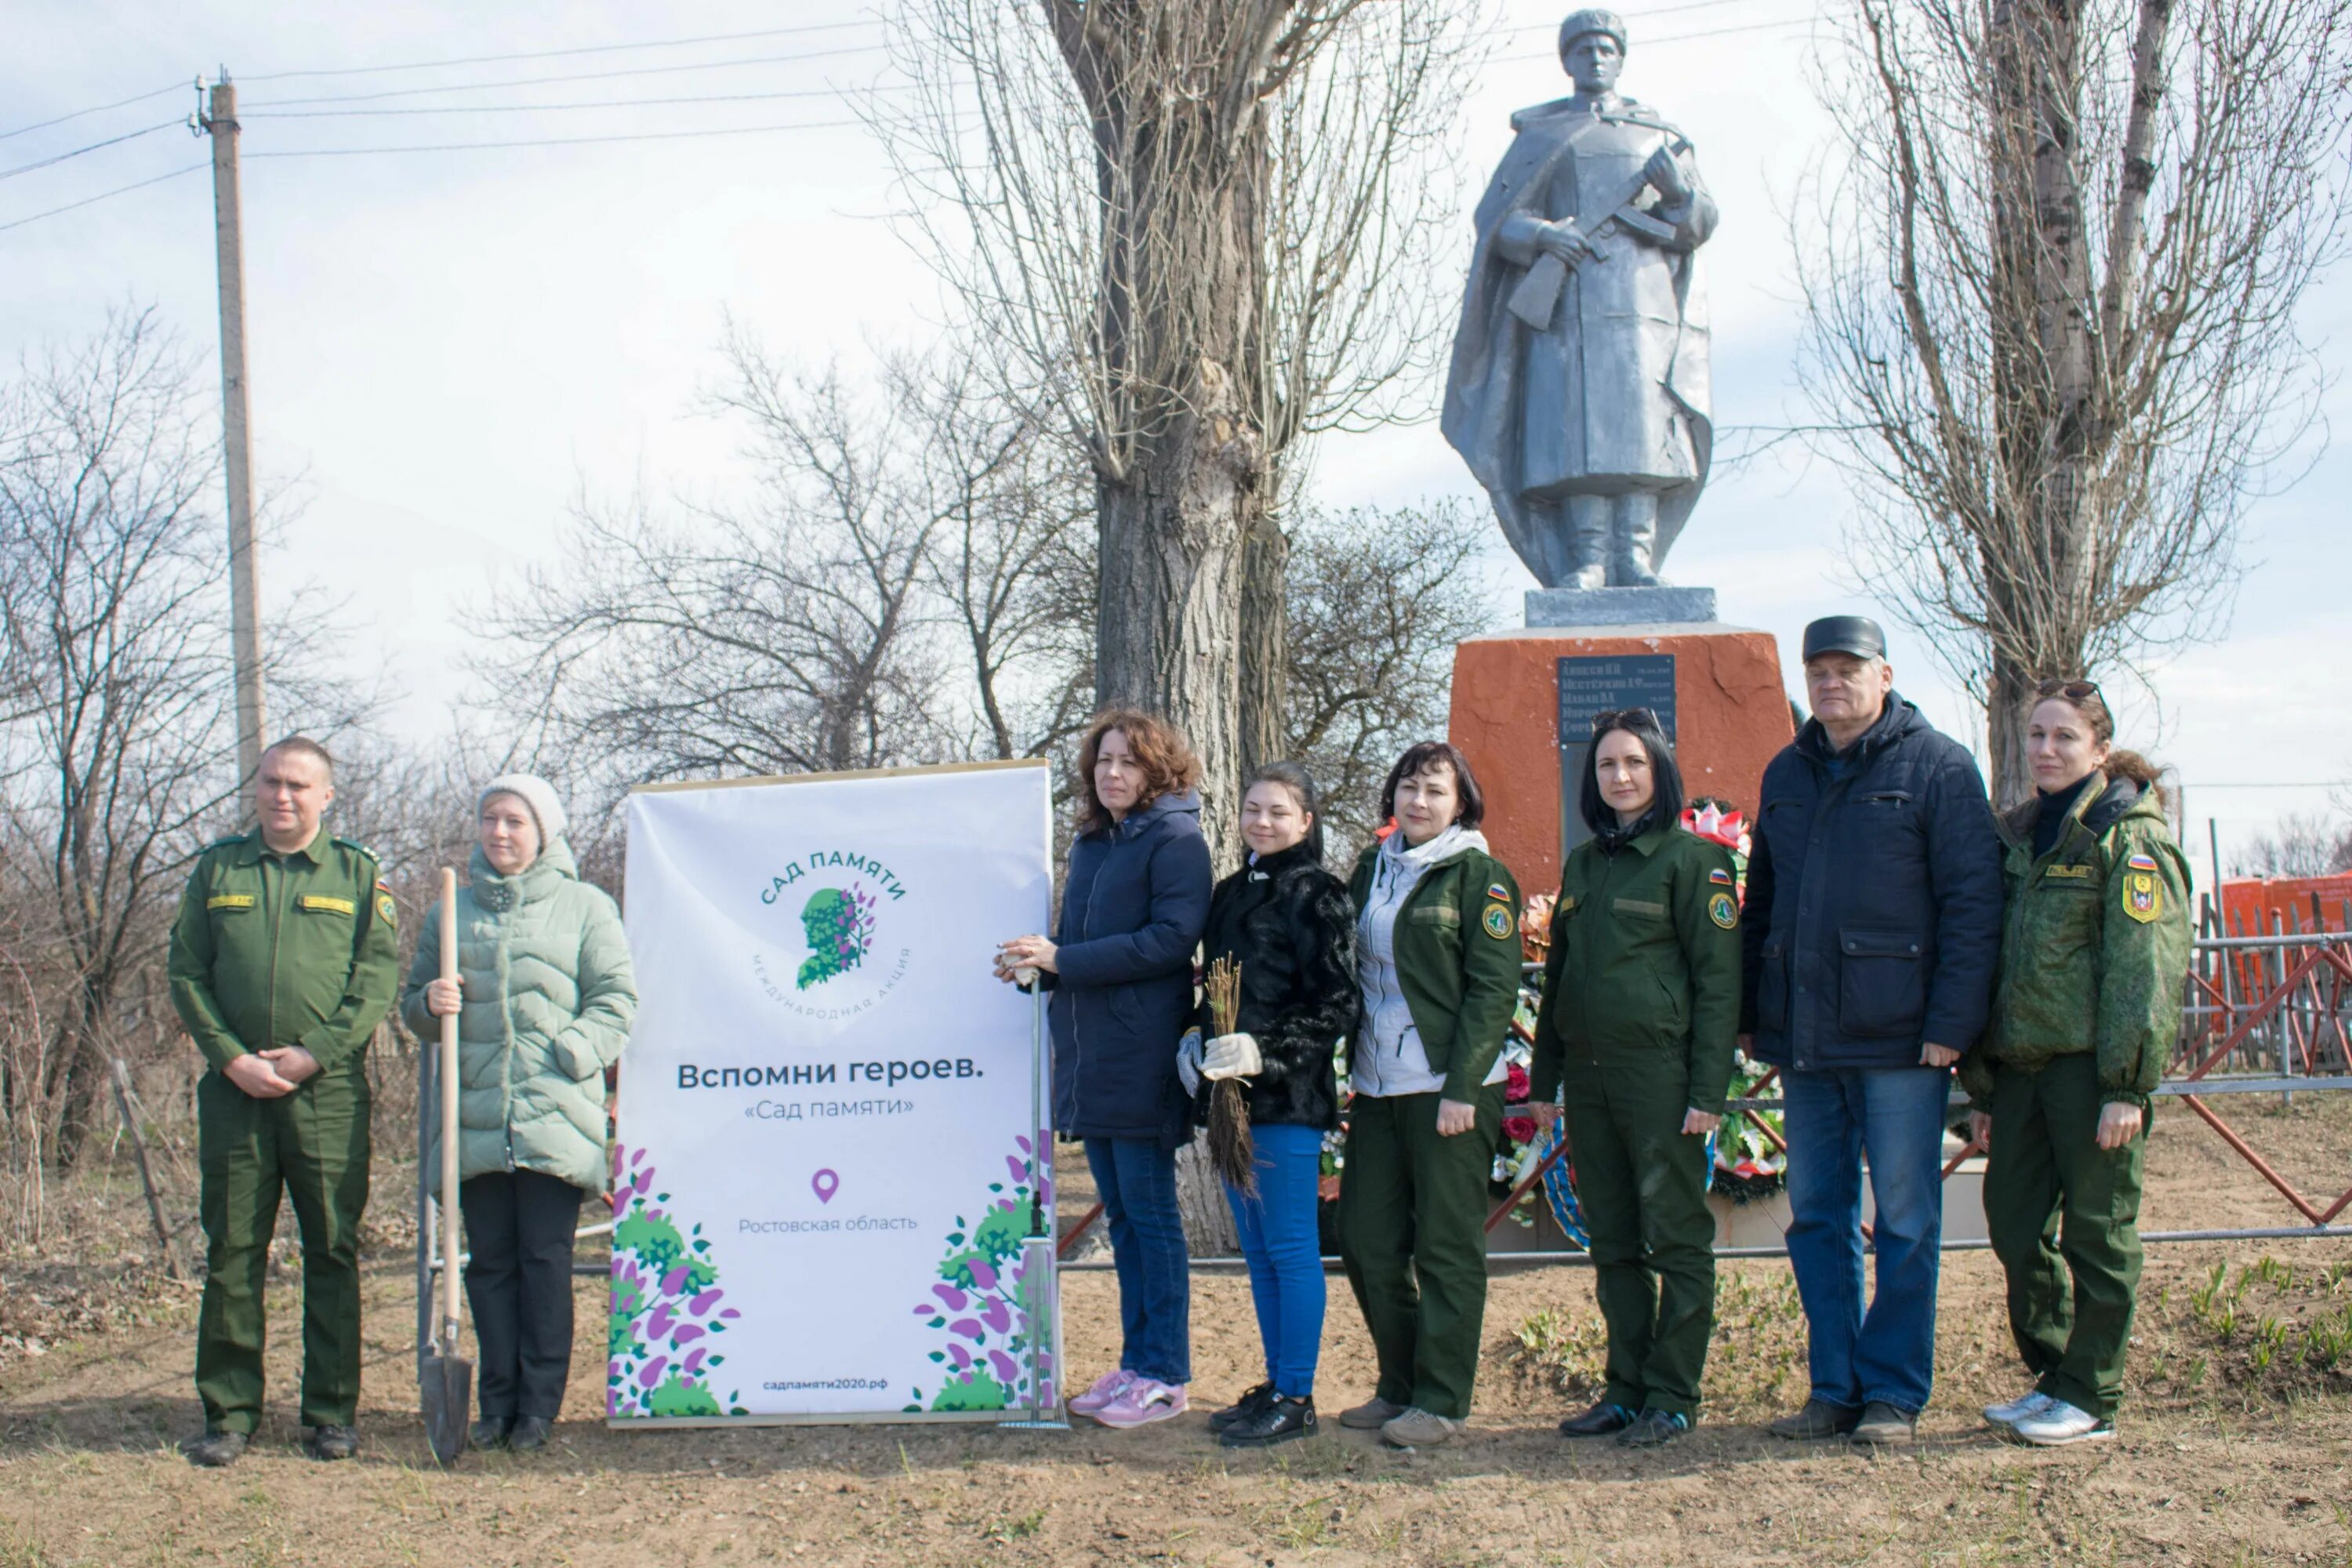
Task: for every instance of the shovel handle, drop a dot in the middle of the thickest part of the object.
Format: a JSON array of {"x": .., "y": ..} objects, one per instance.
[{"x": 449, "y": 1118}]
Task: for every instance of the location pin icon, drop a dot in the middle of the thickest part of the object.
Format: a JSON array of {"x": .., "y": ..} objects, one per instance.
[{"x": 826, "y": 1183}]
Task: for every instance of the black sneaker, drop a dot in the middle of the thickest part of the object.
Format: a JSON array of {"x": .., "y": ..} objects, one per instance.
[
  {"x": 530, "y": 1434},
  {"x": 490, "y": 1432},
  {"x": 1281, "y": 1421},
  {"x": 215, "y": 1450},
  {"x": 1247, "y": 1405},
  {"x": 1600, "y": 1421},
  {"x": 1654, "y": 1428},
  {"x": 330, "y": 1443}
]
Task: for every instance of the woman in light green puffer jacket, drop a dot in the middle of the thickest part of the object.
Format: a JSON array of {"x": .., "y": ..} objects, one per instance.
[{"x": 545, "y": 999}]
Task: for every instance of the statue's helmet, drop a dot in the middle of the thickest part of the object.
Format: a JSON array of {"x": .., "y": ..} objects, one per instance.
[{"x": 1594, "y": 20}]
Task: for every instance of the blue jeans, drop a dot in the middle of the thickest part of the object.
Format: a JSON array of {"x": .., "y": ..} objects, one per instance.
[
  {"x": 1897, "y": 1116},
  {"x": 1283, "y": 1253},
  {"x": 1137, "y": 1179}
]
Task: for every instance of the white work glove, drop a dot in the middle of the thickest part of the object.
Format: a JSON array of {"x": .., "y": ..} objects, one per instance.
[
  {"x": 1188, "y": 1061},
  {"x": 1231, "y": 1056}
]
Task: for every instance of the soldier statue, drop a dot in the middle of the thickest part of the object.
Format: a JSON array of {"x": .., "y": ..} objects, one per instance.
[{"x": 1579, "y": 387}]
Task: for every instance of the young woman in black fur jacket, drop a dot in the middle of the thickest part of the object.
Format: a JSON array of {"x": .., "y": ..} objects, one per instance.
[{"x": 1291, "y": 927}]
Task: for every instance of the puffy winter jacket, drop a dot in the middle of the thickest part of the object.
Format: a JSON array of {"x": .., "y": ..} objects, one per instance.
[
  {"x": 1873, "y": 919},
  {"x": 548, "y": 998},
  {"x": 1133, "y": 909},
  {"x": 2095, "y": 947},
  {"x": 1291, "y": 927}
]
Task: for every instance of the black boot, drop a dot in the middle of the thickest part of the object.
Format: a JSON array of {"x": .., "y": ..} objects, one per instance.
[
  {"x": 217, "y": 1450},
  {"x": 1282, "y": 1421},
  {"x": 490, "y": 1432},
  {"x": 331, "y": 1442},
  {"x": 1600, "y": 1421},
  {"x": 1247, "y": 1405},
  {"x": 530, "y": 1434}
]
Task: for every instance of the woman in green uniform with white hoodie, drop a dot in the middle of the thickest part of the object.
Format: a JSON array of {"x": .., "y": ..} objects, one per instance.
[{"x": 1438, "y": 958}]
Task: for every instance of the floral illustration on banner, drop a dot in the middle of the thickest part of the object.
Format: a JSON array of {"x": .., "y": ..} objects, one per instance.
[
  {"x": 664, "y": 1315},
  {"x": 986, "y": 1305},
  {"x": 840, "y": 926}
]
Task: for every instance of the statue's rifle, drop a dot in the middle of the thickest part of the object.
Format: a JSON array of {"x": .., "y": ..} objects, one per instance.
[{"x": 1538, "y": 294}]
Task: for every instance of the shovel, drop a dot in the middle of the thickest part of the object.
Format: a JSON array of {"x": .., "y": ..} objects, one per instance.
[{"x": 444, "y": 1380}]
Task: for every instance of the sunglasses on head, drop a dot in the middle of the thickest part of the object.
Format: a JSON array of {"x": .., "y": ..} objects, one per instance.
[
  {"x": 2072, "y": 690},
  {"x": 1627, "y": 719}
]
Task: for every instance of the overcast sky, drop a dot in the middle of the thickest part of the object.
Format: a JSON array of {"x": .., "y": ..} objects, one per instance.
[{"x": 446, "y": 346}]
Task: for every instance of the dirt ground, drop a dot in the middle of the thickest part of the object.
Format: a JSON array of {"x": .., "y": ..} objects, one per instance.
[{"x": 2233, "y": 1449}]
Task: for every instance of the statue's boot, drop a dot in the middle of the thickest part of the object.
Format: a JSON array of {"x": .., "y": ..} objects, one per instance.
[
  {"x": 1632, "y": 562},
  {"x": 1588, "y": 542}
]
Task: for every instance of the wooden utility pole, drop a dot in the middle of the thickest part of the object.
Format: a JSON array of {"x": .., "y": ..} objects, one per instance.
[{"x": 244, "y": 571}]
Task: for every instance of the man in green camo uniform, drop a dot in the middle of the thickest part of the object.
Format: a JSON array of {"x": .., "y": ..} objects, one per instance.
[{"x": 283, "y": 962}]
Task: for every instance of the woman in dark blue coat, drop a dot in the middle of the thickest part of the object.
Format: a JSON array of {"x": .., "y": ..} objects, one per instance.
[{"x": 1120, "y": 968}]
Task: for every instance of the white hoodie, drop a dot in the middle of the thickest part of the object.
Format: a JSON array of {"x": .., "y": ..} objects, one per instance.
[{"x": 1390, "y": 1058}]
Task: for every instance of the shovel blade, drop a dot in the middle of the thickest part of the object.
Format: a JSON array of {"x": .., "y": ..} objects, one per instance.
[{"x": 446, "y": 1384}]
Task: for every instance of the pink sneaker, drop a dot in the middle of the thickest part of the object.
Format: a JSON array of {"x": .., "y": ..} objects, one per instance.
[
  {"x": 1108, "y": 1387},
  {"x": 1141, "y": 1403}
]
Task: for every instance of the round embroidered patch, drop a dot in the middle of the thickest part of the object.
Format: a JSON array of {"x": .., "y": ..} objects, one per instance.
[
  {"x": 1497, "y": 921},
  {"x": 1723, "y": 910},
  {"x": 386, "y": 910}
]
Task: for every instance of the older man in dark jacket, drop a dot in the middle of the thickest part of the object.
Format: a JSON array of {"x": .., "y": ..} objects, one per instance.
[{"x": 1875, "y": 909}]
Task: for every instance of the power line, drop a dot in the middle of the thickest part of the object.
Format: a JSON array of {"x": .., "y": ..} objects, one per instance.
[
  {"x": 61, "y": 157},
  {"x": 102, "y": 195},
  {"x": 94, "y": 108},
  {"x": 584, "y": 50},
  {"x": 1637, "y": 17},
  {"x": 536, "y": 108},
  {"x": 580, "y": 76},
  {"x": 557, "y": 141}
]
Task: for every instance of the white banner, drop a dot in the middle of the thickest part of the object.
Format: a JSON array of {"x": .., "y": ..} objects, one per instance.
[{"x": 829, "y": 1157}]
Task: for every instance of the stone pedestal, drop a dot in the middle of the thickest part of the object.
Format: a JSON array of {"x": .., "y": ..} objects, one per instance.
[{"x": 1721, "y": 699}]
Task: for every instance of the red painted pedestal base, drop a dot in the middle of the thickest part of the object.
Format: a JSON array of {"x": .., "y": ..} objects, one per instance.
[{"x": 1731, "y": 715}]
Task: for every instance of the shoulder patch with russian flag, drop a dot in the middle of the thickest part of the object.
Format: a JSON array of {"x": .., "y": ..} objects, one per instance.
[
  {"x": 1499, "y": 892},
  {"x": 1719, "y": 877},
  {"x": 2141, "y": 862}
]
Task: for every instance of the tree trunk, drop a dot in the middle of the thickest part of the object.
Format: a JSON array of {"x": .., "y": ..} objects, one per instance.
[
  {"x": 1265, "y": 647},
  {"x": 2007, "y": 696},
  {"x": 1169, "y": 604},
  {"x": 2045, "y": 376}
]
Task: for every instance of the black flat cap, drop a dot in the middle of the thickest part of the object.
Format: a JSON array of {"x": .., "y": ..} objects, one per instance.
[{"x": 1857, "y": 635}]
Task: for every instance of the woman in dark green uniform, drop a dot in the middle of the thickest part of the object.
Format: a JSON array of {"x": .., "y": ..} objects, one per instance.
[
  {"x": 2094, "y": 950},
  {"x": 1640, "y": 1006}
]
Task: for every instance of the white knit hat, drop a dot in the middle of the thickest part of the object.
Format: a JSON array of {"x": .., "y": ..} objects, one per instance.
[{"x": 535, "y": 793}]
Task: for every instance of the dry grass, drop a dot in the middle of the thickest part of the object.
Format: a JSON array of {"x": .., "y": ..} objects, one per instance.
[{"x": 2233, "y": 1447}]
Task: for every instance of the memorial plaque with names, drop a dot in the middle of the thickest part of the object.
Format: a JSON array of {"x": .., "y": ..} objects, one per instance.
[{"x": 1603, "y": 683}]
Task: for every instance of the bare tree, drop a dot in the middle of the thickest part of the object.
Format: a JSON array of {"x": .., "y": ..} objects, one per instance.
[
  {"x": 1013, "y": 562},
  {"x": 2301, "y": 845},
  {"x": 2050, "y": 280},
  {"x": 117, "y": 748},
  {"x": 1378, "y": 597},
  {"x": 1194, "y": 230},
  {"x": 898, "y": 587}
]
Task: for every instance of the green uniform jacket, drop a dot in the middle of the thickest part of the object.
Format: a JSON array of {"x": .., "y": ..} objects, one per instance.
[
  {"x": 548, "y": 998},
  {"x": 284, "y": 950},
  {"x": 2095, "y": 945},
  {"x": 1645, "y": 962},
  {"x": 1457, "y": 959}
]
